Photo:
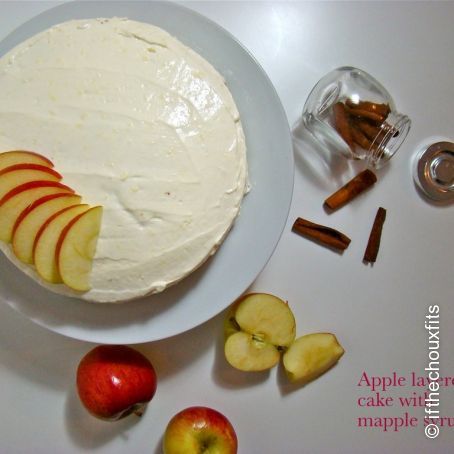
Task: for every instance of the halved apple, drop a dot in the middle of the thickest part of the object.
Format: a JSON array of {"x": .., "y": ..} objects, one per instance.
[
  {"x": 46, "y": 241},
  {"x": 31, "y": 219},
  {"x": 20, "y": 198},
  {"x": 10, "y": 158},
  {"x": 257, "y": 329},
  {"x": 13, "y": 176},
  {"x": 310, "y": 356},
  {"x": 76, "y": 249}
]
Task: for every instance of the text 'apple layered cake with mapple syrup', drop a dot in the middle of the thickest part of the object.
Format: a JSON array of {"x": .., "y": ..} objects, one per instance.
[{"x": 144, "y": 151}]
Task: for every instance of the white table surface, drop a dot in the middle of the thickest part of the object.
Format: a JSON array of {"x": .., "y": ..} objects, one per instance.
[{"x": 377, "y": 312}]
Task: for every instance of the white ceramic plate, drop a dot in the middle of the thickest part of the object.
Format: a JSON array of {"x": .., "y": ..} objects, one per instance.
[{"x": 251, "y": 242}]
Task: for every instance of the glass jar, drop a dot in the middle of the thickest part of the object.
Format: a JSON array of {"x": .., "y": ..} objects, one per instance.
[{"x": 350, "y": 112}]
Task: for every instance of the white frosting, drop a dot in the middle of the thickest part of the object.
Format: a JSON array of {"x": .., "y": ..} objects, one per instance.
[{"x": 139, "y": 123}]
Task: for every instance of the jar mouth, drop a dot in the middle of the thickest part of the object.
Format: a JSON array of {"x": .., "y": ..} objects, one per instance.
[{"x": 391, "y": 136}]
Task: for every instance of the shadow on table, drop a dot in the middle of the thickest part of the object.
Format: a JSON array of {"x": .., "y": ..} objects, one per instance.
[
  {"x": 318, "y": 165},
  {"x": 321, "y": 167},
  {"x": 51, "y": 360},
  {"x": 89, "y": 432},
  {"x": 159, "y": 448},
  {"x": 169, "y": 357},
  {"x": 285, "y": 386},
  {"x": 35, "y": 353}
]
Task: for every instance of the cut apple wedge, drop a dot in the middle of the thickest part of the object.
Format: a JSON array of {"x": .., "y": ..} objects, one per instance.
[
  {"x": 76, "y": 249},
  {"x": 10, "y": 158},
  {"x": 310, "y": 356},
  {"x": 31, "y": 219},
  {"x": 257, "y": 329},
  {"x": 13, "y": 176},
  {"x": 22, "y": 197},
  {"x": 46, "y": 242}
]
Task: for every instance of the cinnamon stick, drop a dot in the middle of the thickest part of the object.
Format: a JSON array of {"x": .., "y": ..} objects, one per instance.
[
  {"x": 369, "y": 130},
  {"x": 363, "y": 113},
  {"x": 353, "y": 188},
  {"x": 323, "y": 235},
  {"x": 361, "y": 123},
  {"x": 373, "y": 245},
  {"x": 381, "y": 109},
  {"x": 360, "y": 138},
  {"x": 342, "y": 124}
]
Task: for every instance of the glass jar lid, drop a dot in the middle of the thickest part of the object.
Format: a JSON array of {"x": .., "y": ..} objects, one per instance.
[{"x": 434, "y": 172}]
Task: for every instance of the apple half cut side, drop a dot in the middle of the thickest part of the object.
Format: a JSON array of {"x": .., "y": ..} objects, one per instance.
[
  {"x": 22, "y": 197},
  {"x": 13, "y": 176},
  {"x": 257, "y": 329},
  {"x": 10, "y": 158},
  {"x": 310, "y": 356},
  {"x": 46, "y": 241},
  {"x": 31, "y": 219},
  {"x": 76, "y": 249}
]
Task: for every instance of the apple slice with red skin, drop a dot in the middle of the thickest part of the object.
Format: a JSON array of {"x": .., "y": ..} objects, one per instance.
[
  {"x": 310, "y": 356},
  {"x": 30, "y": 221},
  {"x": 258, "y": 327},
  {"x": 114, "y": 381},
  {"x": 197, "y": 430},
  {"x": 76, "y": 249},
  {"x": 46, "y": 240},
  {"x": 10, "y": 158},
  {"x": 20, "y": 198},
  {"x": 13, "y": 176}
]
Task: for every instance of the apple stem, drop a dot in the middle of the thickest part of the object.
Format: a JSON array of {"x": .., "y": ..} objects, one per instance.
[{"x": 139, "y": 410}]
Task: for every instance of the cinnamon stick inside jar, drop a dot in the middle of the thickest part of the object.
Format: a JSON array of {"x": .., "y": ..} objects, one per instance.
[
  {"x": 360, "y": 138},
  {"x": 342, "y": 123},
  {"x": 352, "y": 189},
  {"x": 363, "y": 126},
  {"x": 380, "y": 109},
  {"x": 369, "y": 130},
  {"x": 367, "y": 114},
  {"x": 321, "y": 234}
]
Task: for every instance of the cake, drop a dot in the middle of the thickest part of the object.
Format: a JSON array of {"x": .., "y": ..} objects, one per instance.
[{"x": 141, "y": 125}]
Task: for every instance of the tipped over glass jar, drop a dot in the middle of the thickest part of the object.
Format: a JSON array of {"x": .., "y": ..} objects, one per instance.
[{"x": 350, "y": 112}]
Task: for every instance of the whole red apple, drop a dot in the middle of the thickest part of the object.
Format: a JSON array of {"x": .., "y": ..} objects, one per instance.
[
  {"x": 114, "y": 381},
  {"x": 197, "y": 430}
]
